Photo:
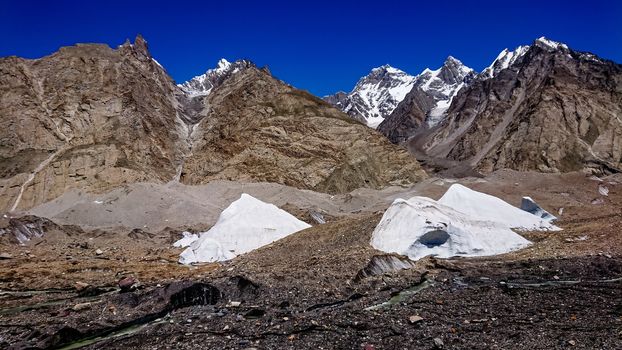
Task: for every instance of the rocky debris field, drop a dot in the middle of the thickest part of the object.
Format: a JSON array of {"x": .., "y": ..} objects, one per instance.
[{"x": 325, "y": 287}]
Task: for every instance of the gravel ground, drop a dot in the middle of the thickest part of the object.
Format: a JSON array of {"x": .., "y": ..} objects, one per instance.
[{"x": 307, "y": 291}]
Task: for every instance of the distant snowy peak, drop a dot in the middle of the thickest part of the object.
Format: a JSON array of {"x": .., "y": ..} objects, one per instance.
[
  {"x": 550, "y": 44},
  {"x": 203, "y": 84},
  {"x": 375, "y": 95},
  {"x": 440, "y": 81},
  {"x": 504, "y": 60},
  {"x": 442, "y": 85},
  {"x": 508, "y": 58}
]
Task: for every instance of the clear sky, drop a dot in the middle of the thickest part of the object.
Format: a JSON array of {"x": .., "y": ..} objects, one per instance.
[{"x": 320, "y": 46}]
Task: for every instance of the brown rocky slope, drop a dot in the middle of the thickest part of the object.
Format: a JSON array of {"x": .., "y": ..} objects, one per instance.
[
  {"x": 91, "y": 117},
  {"x": 259, "y": 128},
  {"x": 87, "y": 117}
]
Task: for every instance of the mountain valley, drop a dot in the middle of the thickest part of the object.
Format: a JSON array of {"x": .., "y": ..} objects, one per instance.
[{"x": 446, "y": 210}]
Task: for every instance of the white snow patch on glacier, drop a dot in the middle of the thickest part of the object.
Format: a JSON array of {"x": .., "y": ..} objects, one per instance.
[
  {"x": 462, "y": 223},
  {"x": 482, "y": 206},
  {"x": 245, "y": 225},
  {"x": 187, "y": 239}
]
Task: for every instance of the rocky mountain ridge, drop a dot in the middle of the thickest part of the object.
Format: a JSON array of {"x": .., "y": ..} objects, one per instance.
[
  {"x": 543, "y": 107},
  {"x": 375, "y": 95},
  {"x": 427, "y": 103},
  {"x": 203, "y": 84},
  {"x": 94, "y": 118}
]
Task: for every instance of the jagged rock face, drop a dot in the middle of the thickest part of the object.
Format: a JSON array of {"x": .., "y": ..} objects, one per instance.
[
  {"x": 87, "y": 117},
  {"x": 375, "y": 95},
  {"x": 552, "y": 110},
  {"x": 23, "y": 229},
  {"x": 427, "y": 103},
  {"x": 340, "y": 99},
  {"x": 260, "y": 129},
  {"x": 409, "y": 116},
  {"x": 203, "y": 84},
  {"x": 94, "y": 118}
]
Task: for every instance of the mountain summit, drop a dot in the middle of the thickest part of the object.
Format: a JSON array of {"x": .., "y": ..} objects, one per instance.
[
  {"x": 203, "y": 84},
  {"x": 442, "y": 85},
  {"x": 540, "y": 107},
  {"x": 428, "y": 101},
  {"x": 375, "y": 95}
]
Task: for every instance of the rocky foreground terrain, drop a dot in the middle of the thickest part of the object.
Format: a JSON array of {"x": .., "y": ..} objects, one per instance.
[{"x": 325, "y": 287}]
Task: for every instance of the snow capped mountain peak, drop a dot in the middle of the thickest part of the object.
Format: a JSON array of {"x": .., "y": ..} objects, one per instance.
[
  {"x": 452, "y": 60},
  {"x": 375, "y": 95},
  {"x": 384, "y": 70},
  {"x": 549, "y": 44},
  {"x": 442, "y": 85},
  {"x": 505, "y": 59},
  {"x": 223, "y": 65},
  {"x": 203, "y": 84},
  {"x": 384, "y": 67},
  {"x": 390, "y": 70}
]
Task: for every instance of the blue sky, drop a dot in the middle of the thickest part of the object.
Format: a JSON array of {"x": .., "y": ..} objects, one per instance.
[{"x": 320, "y": 46}]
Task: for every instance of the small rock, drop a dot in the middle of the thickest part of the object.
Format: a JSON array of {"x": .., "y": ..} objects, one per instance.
[
  {"x": 128, "y": 283},
  {"x": 572, "y": 342},
  {"x": 438, "y": 343},
  {"x": 5, "y": 256},
  {"x": 254, "y": 313},
  {"x": 81, "y": 306},
  {"x": 80, "y": 285},
  {"x": 234, "y": 304},
  {"x": 415, "y": 319},
  {"x": 226, "y": 328},
  {"x": 99, "y": 252}
]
